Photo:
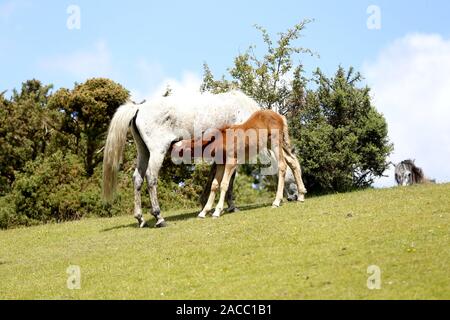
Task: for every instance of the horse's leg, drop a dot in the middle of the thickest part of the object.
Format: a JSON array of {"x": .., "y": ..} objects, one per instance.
[
  {"x": 154, "y": 165},
  {"x": 279, "y": 154},
  {"x": 229, "y": 197},
  {"x": 157, "y": 142},
  {"x": 297, "y": 170},
  {"x": 207, "y": 190},
  {"x": 138, "y": 180},
  {"x": 213, "y": 189},
  {"x": 228, "y": 172},
  {"x": 139, "y": 175}
]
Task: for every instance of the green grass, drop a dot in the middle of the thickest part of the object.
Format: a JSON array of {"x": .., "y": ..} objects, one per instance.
[{"x": 319, "y": 249}]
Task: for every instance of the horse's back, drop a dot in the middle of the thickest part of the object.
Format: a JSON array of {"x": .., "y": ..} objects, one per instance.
[{"x": 199, "y": 111}]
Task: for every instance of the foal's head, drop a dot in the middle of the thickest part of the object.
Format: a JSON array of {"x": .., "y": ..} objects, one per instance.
[{"x": 208, "y": 146}]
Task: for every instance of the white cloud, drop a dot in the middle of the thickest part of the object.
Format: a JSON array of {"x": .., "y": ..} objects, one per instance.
[
  {"x": 94, "y": 62},
  {"x": 410, "y": 81},
  {"x": 189, "y": 83}
]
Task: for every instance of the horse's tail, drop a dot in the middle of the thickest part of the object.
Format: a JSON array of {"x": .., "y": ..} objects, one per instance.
[{"x": 115, "y": 143}]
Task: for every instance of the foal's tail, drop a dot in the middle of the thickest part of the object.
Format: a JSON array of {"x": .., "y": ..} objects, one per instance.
[
  {"x": 115, "y": 143},
  {"x": 286, "y": 141}
]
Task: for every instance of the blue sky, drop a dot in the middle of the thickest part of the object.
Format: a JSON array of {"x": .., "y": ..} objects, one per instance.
[
  {"x": 176, "y": 36},
  {"x": 141, "y": 44}
]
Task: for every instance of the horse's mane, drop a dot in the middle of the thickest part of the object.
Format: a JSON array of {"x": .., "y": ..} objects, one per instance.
[{"x": 418, "y": 176}]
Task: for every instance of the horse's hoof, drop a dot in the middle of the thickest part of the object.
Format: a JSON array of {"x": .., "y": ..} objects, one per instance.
[
  {"x": 201, "y": 215},
  {"x": 292, "y": 198},
  {"x": 216, "y": 214},
  {"x": 161, "y": 224},
  {"x": 276, "y": 204},
  {"x": 232, "y": 209},
  {"x": 301, "y": 198},
  {"x": 142, "y": 224}
]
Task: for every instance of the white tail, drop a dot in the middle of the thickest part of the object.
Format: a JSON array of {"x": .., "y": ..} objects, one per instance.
[{"x": 115, "y": 143}]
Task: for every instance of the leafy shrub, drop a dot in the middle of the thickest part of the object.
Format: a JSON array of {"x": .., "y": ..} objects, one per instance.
[
  {"x": 8, "y": 215},
  {"x": 53, "y": 189},
  {"x": 46, "y": 190}
]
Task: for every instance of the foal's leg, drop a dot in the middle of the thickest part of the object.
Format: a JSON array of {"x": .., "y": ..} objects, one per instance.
[
  {"x": 228, "y": 172},
  {"x": 229, "y": 197},
  {"x": 292, "y": 161},
  {"x": 281, "y": 175},
  {"x": 214, "y": 186}
]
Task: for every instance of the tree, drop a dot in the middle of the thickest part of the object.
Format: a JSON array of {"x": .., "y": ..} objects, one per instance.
[
  {"x": 265, "y": 79},
  {"x": 340, "y": 137},
  {"x": 85, "y": 115},
  {"x": 25, "y": 129}
]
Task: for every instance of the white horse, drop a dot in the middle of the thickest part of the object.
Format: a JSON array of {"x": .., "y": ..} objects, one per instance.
[{"x": 155, "y": 125}]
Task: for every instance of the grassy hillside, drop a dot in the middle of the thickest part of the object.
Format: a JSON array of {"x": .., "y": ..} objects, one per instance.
[{"x": 319, "y": 249}]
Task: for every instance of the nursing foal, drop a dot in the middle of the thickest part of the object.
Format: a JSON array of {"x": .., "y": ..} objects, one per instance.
[{"x": 264, "y": 129}]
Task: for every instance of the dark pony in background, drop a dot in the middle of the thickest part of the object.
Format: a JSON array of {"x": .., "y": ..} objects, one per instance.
[{"x": 407, "y": 173}]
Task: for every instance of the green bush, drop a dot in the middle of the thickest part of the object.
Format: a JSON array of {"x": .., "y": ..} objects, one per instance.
[
  {"x": 53, "y": 189},
  {"x": 46, "y": 190},
  {"x": 341, "y": 139},
  {"x": 8, "y": 215}
]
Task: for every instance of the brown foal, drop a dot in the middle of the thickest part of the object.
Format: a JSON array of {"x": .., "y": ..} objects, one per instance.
[{"x": 239, "y": 143}]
